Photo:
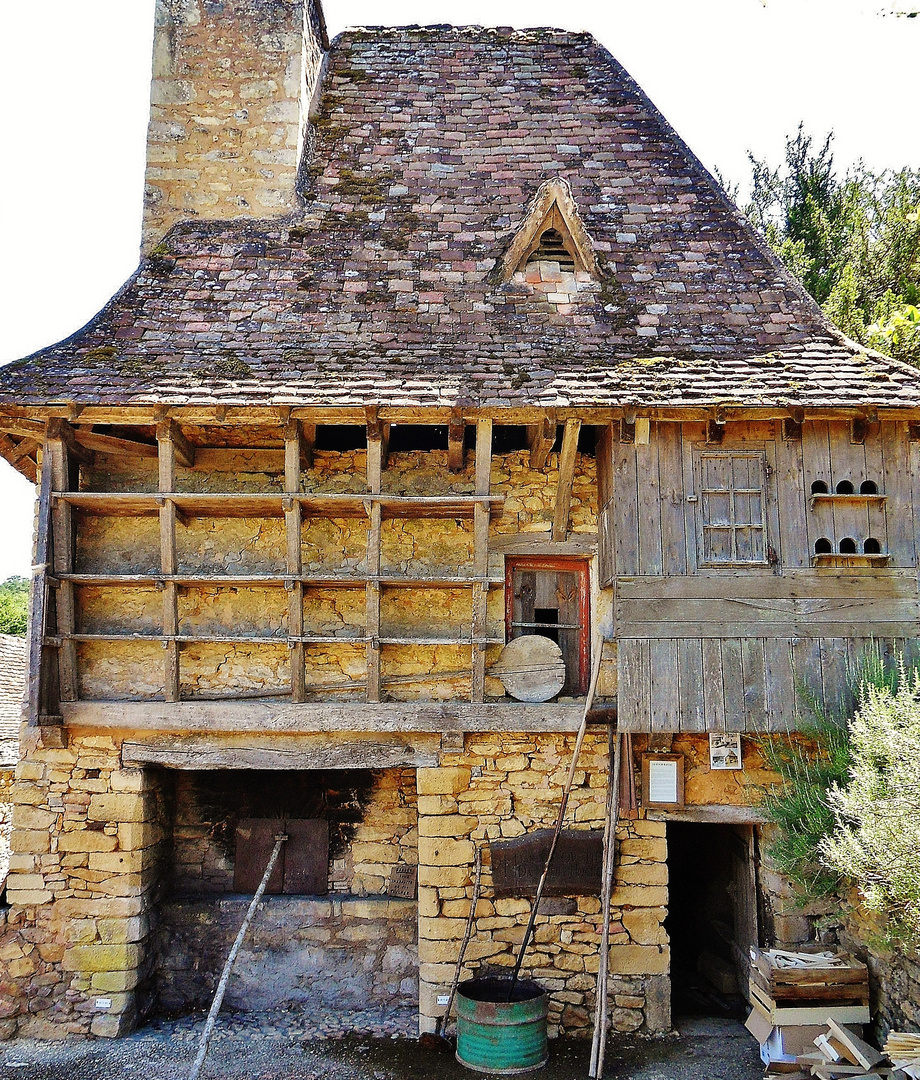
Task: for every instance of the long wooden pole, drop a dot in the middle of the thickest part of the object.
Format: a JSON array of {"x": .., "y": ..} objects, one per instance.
[
  {"x": 228, "y": 967},
  {"x": 563, "y": 806},
  {"x": 601, "y": 1012}
]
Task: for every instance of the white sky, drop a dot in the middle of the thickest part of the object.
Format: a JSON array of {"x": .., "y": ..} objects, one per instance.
[{"x": 730, "y": 75}]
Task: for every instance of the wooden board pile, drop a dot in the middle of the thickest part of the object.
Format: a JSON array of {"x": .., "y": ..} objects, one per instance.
[
  {"x": 840, "y": 1054},
  {"x": 808, "y": 987},
  {"x": 903, "y": 1047}
]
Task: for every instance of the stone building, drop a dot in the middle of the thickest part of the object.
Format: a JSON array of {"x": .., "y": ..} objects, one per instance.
[{"x": 441, "y": 337}]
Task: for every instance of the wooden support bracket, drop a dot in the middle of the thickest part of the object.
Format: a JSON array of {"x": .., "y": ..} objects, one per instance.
[
  {"x": 540, "y": 439},
  {"x": 184, "y": 450}
]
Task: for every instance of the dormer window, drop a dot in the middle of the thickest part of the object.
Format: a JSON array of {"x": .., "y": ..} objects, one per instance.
[{"x": 551, "y": 231}]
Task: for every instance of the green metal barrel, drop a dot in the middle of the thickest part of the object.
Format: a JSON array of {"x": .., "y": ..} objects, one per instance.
[{"x": 495, "y": 1035}]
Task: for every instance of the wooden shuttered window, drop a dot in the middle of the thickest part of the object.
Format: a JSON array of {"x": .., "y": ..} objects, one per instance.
[
  {"x": 549, "y": 596},
  {"x": 732, "y": 517}
]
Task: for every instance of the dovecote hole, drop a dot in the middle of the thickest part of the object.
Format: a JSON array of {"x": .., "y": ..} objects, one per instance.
[
  {"x": 823, "y": 546},
  {"x": 868, "y": 487},
  {"x": 871, "y": 546},
  {"x": 845, "y": 487},
  {"x": 818, "y": 487},
  {"x": 848, "y": 546}
]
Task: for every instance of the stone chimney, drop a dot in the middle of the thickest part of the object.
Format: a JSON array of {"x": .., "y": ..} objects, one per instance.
[{"x": 232, "y": 85}]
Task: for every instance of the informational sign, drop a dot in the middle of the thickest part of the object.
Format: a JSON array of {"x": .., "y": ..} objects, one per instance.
[
  {"x": 725, "y": 750},
  {"x": 663, "y": 780}
]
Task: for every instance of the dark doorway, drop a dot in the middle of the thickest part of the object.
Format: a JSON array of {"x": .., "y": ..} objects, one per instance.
[{"x": 712, "y": 916}]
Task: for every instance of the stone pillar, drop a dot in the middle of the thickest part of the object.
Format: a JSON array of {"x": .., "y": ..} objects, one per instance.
[
  {"x": 231, "y": 91},
  {"x": 86, "y": 852}
]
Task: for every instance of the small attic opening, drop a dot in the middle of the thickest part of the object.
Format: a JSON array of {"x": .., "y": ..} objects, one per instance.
[{"x": 551, "y": 247}]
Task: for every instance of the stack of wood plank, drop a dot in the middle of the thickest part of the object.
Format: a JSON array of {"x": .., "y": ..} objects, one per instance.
[
  {"x": 807, "y": 987},
  {"x": 903, "y": 1047}
]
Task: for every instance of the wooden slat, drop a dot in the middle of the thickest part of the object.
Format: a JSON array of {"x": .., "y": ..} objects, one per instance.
[
  {"x": 567, "y": 456},
  {"x": 789, "y": 483},
  {"x": 754, "y": 685},
  {"x": 690, "y": 672},
  {"x": 633, "y": 697},
  {"x": 713, "y": 685},
  {"x": 901, "y": 483},
  {"x": 780, "y": 694},
  {"x": 625, "y": 496},
  {"x": 795, "y": 584},
  {"x": 665, "y": 686},
  {"x": 38, "y": 594},
  {"x": 649, "y": 506},
  {"x": 375, "y": 455},
  {"x": 673, "y": 502}
]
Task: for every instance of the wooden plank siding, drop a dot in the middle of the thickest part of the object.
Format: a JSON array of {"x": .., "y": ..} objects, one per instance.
[{"x": 743, "y": 647}]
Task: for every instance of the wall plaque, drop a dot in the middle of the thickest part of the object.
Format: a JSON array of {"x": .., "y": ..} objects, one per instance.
[
  {"x": 403, "y": 881},
  {"x": 575, "y": 871}
]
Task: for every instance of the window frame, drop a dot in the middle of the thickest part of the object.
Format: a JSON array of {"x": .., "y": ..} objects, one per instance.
[
  {"x": 579, "y": 565},
  {"x": 730, "y": 453}
]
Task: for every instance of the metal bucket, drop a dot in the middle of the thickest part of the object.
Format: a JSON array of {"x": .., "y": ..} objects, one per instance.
[{"x": 495, "y": 1035}]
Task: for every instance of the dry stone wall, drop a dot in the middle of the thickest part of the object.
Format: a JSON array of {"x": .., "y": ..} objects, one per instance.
[
  {"x": 86, "y": 850},
  {"x": 504, "y": 786}
]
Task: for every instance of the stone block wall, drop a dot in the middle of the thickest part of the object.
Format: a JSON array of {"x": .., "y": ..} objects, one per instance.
[
  {"x": 336, "y": 954},
  {"x": 86, "y": 850},
  {"x": 502, "y": 786}
]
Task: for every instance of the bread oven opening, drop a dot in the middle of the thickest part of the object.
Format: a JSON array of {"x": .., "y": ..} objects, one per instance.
[{"x": 337, "y": 928}]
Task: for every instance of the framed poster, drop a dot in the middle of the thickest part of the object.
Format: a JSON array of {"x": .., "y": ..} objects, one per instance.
[
  {"x": 725, "y": 750},
  {"x": 663, "y": 780}
]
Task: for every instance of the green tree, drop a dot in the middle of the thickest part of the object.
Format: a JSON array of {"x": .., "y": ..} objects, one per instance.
[
  {"x": 14, "y": 606},
  {"x": 853, "y": 241}
]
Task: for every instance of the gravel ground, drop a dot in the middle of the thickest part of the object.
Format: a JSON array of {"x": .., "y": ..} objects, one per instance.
[{"x": 282, "y": 1047}]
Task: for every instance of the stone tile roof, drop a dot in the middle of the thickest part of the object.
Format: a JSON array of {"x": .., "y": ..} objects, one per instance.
[
  {"x": 12, "y": 691},
  {"x": 428, "y": 146}
]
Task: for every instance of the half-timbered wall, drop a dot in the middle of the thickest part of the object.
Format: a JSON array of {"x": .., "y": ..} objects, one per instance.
[{"x": 715, "y": 637}]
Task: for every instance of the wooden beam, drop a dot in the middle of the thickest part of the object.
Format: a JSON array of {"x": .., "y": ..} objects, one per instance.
[
  {"x": 481, "y": 558},
  {"x": 183, "y": 449},
  {"x": 376, "y": 454},
  {"x": 293, "y": 462},
  {"x": 456, "y": 433},
  {"x": 540, "y": 439},
  {"x": 62, "y": 552},
  {"x": 566, "y": 479},
  {"x": 306, "y": 752},
  {"x": 378, "y": 438},
  {"x": 12, "y": 452},
  {"x": 234, "y": 717},
  {"x": 28, "y": 429},
  {"x": 25, "y": 449},
  {"x": 38, "y": 596},
  {"x": 168, "y": 561},
  {"x": 110, "y": 444}
]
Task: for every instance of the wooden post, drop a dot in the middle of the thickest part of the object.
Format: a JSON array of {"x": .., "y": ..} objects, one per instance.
[
  {"x": 481, "y": 558},
  {"x": 293, "y": 458},
  {"x": 566, "y": 479},
  {"x": 456, "y": 433},
  {"x": 601, "y": 1011},
  {"x": 57, "y": 447},
  {"x": 166, "y": 460},
  {"x": 38, "y": 596},
  {"x": 376, "y": 450}
]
